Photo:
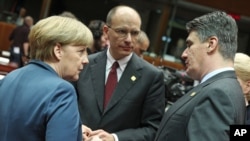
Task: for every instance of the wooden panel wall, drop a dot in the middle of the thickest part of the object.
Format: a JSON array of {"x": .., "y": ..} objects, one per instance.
[{"x": 5, "y": 30}]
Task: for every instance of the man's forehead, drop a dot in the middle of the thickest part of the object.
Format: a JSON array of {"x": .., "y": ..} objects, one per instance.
[{"x": 192, "y": 36}]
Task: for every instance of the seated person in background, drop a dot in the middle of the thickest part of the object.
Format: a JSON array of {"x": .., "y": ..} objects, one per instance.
[
  {"x": 242, "y": 69},
  {"x": 142, "y": 44},
  {"x": 36, "y": 104},
  {"x": 100, "y": 40}
]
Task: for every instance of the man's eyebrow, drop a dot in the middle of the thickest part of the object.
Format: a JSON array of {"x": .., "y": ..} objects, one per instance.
[{"x": 188, "y": 42}]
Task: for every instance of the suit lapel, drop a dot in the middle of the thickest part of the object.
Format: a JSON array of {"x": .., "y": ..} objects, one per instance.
[
  {"x": 183, "y": 100},
  {"x": 129, "y": 77},
  {"x": 195, "y": 91},
  {"x": 177, "y": 105},
  {"x": 98, "y": 78}
]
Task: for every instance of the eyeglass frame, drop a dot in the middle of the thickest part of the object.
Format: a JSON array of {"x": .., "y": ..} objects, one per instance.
[{"x": 123, "y": 33}]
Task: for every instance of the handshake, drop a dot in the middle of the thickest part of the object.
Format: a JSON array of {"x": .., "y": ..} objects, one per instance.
[{"x": 97, "y": 135}]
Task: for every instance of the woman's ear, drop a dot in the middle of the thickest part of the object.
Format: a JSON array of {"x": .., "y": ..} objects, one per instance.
[
  {"x": 248, "y": 86},
  {"x": 58, "y": 51}
]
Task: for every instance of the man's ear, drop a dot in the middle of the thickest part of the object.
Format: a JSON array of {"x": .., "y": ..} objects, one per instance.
[
  {"x": 212, "y": 44},
  {"x": 105, "y": 29},
  {"x": 58, "y": 51}
]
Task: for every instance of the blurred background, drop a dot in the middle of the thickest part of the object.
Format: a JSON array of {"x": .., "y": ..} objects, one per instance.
[{"x": 162, "y": 20}]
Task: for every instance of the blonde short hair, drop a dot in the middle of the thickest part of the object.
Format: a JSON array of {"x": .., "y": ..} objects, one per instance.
[
  {"x": 48, "y": 32},
  {"x": 242, "y": 66}
]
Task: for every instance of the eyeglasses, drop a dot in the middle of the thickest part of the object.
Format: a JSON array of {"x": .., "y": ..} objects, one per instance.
[{"x": 123, "y": 33}]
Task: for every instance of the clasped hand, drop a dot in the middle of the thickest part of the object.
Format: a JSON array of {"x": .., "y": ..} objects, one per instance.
[{"x": 97, "y": 135}]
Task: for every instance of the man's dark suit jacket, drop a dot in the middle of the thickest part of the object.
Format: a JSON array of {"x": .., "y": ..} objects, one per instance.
[
  {"x": 137, "y": 104},
  {"x": 206, "y": 112}
]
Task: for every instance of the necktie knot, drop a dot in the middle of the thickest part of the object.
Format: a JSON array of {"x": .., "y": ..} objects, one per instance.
[{"x": 115, "y": 65}]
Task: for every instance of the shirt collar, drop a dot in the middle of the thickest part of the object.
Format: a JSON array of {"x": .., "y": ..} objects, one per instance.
[
  {"x": 213, "y": 73},
  {"x": 122, "y": 62}
]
